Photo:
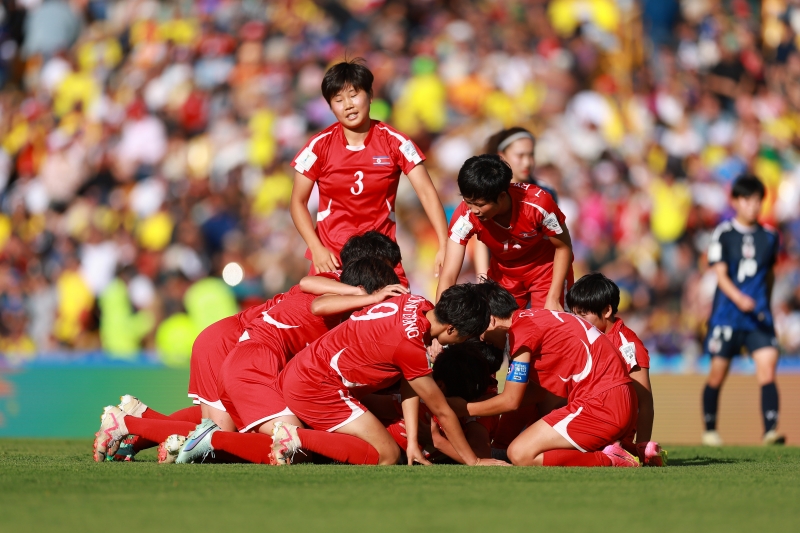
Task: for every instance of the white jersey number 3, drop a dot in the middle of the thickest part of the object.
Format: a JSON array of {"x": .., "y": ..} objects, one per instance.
[{"x": 359, "y": 181}]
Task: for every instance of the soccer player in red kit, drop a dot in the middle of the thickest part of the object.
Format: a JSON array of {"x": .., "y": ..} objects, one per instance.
[
  {"x": 570, "y": 358},
  {"x": 526, "y": 233},
  {"x": 356, "y": 164},
  {"x": 375, "y": 348},
  {"x": 595, "y": 298}
]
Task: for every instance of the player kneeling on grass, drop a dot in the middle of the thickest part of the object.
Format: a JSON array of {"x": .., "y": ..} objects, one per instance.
[
  {"x": 368, "y": 352},
  {"x": 595, "y": 298},
  {"x": 570, "y": 358}
]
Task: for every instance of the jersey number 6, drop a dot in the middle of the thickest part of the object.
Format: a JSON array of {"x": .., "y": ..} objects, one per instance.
[{"x": 359, "y": 177}]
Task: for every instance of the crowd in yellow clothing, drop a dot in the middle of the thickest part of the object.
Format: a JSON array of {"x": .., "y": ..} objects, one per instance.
[{"x": 154, "y": 148}]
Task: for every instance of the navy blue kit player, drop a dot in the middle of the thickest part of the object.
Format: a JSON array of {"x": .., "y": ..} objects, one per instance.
[{"x": 743, "y": 253}]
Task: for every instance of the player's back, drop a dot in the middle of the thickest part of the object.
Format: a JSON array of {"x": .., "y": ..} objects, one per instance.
[
  {"x": 373, "y": 347},
  {"x": 570, "y": 357},
  {"x": 749, "y": 254}
]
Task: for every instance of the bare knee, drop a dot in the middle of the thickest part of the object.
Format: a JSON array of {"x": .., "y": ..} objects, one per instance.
[
  {"x": 389, "y": 455},
  {"x": 519, "y": 456}
]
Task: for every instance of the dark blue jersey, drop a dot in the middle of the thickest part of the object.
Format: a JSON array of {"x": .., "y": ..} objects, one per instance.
[{"x": 749, "y": 254}]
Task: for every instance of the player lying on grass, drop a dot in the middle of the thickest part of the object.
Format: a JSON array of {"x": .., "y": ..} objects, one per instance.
[
  {"x": 522, "y": 227},
  {"x": 356, "y": 164},
  {"x": 216, "y": 341},
  {"x": 595, "y": 298},
  {"x": 570, "y": 358},
  {"x": 246, "y": 374},
  {"x": 743, "y": 253},
  {"x": 247, "y": 379}
]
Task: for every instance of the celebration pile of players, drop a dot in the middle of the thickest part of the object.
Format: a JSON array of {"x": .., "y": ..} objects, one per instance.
[{"x": 351, "y": 366}]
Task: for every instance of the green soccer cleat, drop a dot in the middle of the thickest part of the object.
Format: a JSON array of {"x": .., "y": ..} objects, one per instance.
[
  {"x": 169, "y": 449},
  {"x": 198, "y": 445}
]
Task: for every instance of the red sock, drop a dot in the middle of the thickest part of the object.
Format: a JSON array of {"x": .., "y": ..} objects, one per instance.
[
  {"x": 152, "y": 414},
  {"x": 575, "y": 458},
  {"x": 252, "y": 447},
  {"x": 191, "y": 414},
  {"x": 157, "y": 430},
  {"x": 339, "y": 447}
]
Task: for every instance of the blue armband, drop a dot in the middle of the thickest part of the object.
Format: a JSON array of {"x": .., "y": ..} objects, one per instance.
[{"x": 518, "y": 372}]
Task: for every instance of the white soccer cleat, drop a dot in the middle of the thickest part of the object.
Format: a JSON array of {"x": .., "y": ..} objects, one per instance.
[
  {"x": 712, "y": 438},
  {"x": 773, "y": 438},
  {"x": 132, "y": 406},
  {"x": 112, "y": 431},
  {"x": 285, "y": 443},
  {"x": 169, "y": 449},
  {"x": 198, "y": 444}
]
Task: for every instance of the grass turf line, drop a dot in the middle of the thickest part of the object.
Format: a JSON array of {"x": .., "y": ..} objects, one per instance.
[{"x": 53, "y": 485}]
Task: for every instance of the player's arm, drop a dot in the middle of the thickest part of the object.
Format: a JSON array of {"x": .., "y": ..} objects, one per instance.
[
  {"x": 429, "y": 198},
  {"x": 513, "y": 392},
  {"x": 429, "y": 392},
  {"x": 481, "y": 261},
  {"x": 410, "y": 405},
  {"x": 321, "y": 285},
  {"x": 332, "y": 304},
  {"x": 729, "y": 289},
  {"x": 644, "y": 392},
  {"x": 453, "y": 259},
  {"x": 562, "y": 259},
  {"x": 324, "y": 260}
]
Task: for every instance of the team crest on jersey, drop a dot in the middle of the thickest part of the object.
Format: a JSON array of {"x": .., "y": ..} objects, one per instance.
[{"x": 381, "y": 160}]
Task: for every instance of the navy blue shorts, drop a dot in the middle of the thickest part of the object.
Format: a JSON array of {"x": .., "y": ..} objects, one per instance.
[{"x": 724, "y": 341}]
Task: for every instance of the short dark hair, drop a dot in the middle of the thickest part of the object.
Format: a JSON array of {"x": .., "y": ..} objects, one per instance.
[
  {"x": 371, "y": 244},
  {"x": 502, "y": 303},
  {"x": 592, "y": 293},
  {"x": 494, "y": 142},
  {"x": 464, "y": 308},
  {"x": 371, "y": 273},
  {"x": 462, "y": 371},
  {"x": 489, "y": 353},
  {"x": 747, "y": 185},
  {"x": 484, "y": 177},
  {"x": 348, "y": 73}
]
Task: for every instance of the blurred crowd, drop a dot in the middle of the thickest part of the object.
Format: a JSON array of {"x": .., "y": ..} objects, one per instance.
[{"x": 145, "y": 146}]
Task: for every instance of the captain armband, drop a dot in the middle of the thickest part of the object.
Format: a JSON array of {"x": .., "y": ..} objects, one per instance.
[{"x": 518, "y": 372}]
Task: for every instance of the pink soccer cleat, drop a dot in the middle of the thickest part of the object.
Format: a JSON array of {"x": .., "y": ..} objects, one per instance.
[
  {"x": 651, "y": 454},
  {"x": 619, "y": 457}
]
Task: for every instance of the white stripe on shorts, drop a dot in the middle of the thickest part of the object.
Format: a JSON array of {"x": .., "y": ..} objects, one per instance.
[
  {"x": 285, "y": 412},
  {"x": 561, "y": 428},
  {"x": 357, "y": 411}
]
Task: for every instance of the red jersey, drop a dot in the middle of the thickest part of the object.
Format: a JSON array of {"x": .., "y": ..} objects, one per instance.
[
  {"x": 569, "y": 357},
  {"x": 534, "y": 218},
  {"x": 372, "y": 349},
  {"x": 357, "y": 185},
  {"x": 629, "y": 345}
]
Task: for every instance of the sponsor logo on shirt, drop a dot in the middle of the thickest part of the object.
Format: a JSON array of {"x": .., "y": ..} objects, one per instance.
[{"x": 381, "y": 160}]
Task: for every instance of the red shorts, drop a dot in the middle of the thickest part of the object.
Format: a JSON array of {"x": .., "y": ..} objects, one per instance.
[
  {"x": 401, "y": 274},
  {"x": 247, "y": 385},
  {"x": 209, "y": 351},
  {"x": 529, "y": 284},
  {"x": 321, "y": 406},
  {"x": 592, "y": 424}
]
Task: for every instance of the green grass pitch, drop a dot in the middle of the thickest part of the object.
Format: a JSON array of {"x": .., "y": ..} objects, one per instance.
[{"x": 53, "y": 485}]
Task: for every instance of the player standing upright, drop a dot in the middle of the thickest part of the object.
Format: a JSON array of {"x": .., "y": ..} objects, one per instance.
[
  {"x": 743, "y": 255},
  {"x": 356, "y": 163},
  {"x": 523, "y": 228}
]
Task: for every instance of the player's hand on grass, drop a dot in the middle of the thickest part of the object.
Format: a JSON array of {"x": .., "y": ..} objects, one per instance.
[
  {"x": 415, "y": 455},
  {"x": 389, "y": 291},
  {"x": 324, "y": 260},
  {"x": 553, "y": 304},
  {"x": 434, "y": 350},
  {"x": 745, "y": 303},
  {"x": 491, "y": 462},
  {"x": 438, "y": 262}
]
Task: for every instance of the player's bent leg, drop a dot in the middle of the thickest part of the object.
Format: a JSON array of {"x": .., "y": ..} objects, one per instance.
[
  {"x": 529, "y": 447},
  {"x": 218, "y": 416},
  {"x": 368, "y": 428},
  {"x": 268, "y": 427}
]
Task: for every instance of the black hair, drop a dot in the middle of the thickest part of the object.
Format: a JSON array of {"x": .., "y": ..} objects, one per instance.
[
  {"x": 501, "y": 302},
  {"x": 348, "y": 73},
  {"x": 592, "y": 293},
  {"x": 747, "y": 185},
  {"x": 371, "y": 273},
  {"x": 484, "y": 177},
  {"x": 489, "y": 353},
  {"x": 371, "y": 244},
  {"x": 494, "y": 142},
  {"x": 462, "y": 371},
  {"x": 464, "y": 308}
]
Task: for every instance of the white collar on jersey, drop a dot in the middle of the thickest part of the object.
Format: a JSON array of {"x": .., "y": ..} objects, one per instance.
[
  {"x": 355, "y": 148},
  {"x": 741, "y": 228}
]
